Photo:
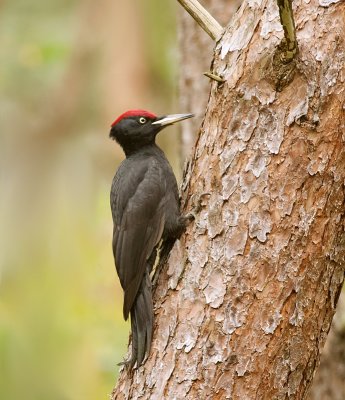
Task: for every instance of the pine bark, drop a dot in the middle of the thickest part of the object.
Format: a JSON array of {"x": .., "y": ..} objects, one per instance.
[
  {"x": 329, "y": 380},
  {"x": 245, "y": 302}
]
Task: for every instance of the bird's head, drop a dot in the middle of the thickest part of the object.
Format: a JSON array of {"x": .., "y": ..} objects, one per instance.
[{"x": 135, "y": 129}]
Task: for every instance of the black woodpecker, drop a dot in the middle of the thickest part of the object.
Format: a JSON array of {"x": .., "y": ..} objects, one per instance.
[{"x": 145, "y": 207}]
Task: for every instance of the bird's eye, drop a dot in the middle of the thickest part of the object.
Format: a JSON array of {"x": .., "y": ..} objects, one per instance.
[{"x": 142, "y": 120}]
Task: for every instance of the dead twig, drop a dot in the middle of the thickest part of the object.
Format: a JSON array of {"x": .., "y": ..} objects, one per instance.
[
  {"x": 289, "y": 45},
  {"x": 203, "y": 18}
]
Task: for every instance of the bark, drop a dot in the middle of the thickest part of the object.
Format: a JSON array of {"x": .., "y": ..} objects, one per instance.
[
  {"x": 329, "y": 381},
  {"x": 245, "y": 303}
]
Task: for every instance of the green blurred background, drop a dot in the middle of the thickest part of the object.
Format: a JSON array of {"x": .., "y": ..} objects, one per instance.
[{"x": 67, "y": 69}]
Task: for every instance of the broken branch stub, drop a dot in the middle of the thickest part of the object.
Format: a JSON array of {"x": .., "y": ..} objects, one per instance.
[{"x": 203, "y": 18}]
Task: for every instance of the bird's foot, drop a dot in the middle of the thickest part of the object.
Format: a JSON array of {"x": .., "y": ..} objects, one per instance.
[
  {"x": 188, "y": 218},
  {"x": 128, "y": 365},
  {"x": 197, "y": 205}
]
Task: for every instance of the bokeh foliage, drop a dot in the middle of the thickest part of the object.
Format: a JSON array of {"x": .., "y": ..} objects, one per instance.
[{"x": 61, "y": 327}]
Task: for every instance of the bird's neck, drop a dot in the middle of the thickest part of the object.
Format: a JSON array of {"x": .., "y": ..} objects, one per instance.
[{"x": 134, "y": 148}]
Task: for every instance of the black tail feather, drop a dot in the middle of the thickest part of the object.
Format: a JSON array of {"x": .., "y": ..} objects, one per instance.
[{"x": 142, "y": 323}]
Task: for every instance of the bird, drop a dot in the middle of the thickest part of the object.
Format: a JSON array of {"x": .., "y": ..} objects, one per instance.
[{"x": 145, "y": 208}]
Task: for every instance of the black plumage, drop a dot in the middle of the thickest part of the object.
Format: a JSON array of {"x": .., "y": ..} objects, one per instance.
[{"x": 145, "y": 208}]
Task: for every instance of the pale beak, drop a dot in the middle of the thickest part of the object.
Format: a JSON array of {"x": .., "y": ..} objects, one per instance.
[{"x": 171, "y": 119}]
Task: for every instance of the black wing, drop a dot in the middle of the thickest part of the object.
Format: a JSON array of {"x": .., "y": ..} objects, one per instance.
[{"x": 137, "y": 202}]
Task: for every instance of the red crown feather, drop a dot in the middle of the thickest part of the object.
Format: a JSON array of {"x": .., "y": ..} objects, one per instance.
[{"x": 134, "y": 113}]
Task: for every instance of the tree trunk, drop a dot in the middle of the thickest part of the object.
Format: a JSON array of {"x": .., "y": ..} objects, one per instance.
[
  {"x": 245, "y": 303},
  {"x": 329, "y": 381}
]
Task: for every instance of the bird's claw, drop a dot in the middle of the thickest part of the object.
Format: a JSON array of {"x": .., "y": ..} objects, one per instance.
[
  {"x": 190, "y": 217},
  {"x": 196, "y": 201}
]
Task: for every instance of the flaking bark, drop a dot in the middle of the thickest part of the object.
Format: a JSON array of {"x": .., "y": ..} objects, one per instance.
[
  {"x": 246, "y": 301},
  {"x": 329, "y": 380}
]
